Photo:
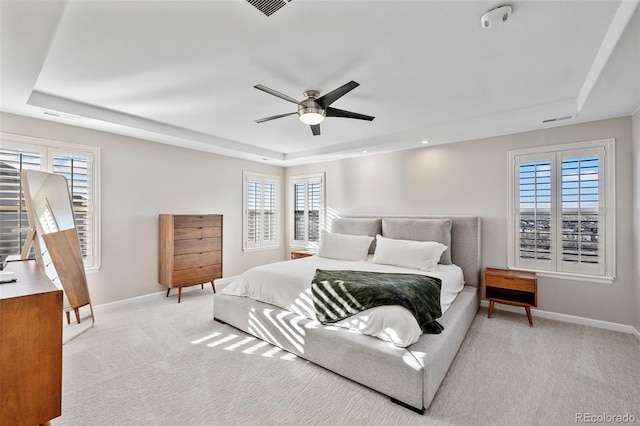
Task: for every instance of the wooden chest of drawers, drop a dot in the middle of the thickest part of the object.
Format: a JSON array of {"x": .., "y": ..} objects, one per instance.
[
  {"x": 30, "y": 347},
  {"x": 190, "y": 250}
]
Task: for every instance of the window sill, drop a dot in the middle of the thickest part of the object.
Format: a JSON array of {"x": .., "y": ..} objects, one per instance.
[
  {"x": 299, "y": 245},
  {"x": 250, "y": 249},
  {"x": 568, "y": 276},
  {"x": 92, "y": 269}
]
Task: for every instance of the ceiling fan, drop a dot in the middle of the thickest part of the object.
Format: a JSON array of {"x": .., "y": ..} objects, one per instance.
[{"x": 313, "y": 109}]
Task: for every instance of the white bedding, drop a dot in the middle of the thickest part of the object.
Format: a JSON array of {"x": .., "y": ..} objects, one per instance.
[{"x": 288, "y": 285}]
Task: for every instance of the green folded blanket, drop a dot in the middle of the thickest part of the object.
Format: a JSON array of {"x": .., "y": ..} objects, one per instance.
[{"x": 340, "y": 294}]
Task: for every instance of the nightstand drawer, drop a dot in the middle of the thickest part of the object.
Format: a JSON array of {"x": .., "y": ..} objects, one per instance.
[{"x": 510, "y": 283}]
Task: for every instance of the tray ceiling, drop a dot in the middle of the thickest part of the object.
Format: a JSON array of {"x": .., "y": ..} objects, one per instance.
[{"x": 182, "y": 72}]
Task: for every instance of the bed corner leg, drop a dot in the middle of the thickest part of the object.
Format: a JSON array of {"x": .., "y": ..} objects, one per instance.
[{"x": 405, "y": 405}]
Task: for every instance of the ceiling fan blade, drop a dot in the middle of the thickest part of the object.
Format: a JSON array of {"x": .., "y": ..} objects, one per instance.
[
  {"x": 334, "y": 112},
  {"x": 315, "y": 129},
  {"x": 273, "y": 117},
  {"x": 275, "y": 93},
  {"x": 336, "y": 94}
]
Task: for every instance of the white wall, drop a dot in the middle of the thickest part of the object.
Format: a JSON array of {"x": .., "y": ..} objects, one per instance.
[
  {"x": 462, "y": 178},
  {"x": 141, "y": 179},
  {"x": 470, "y": 178},
  {"x": 636, "y": 210}
]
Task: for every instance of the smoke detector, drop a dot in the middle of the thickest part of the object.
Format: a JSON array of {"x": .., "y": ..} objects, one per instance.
[{"x": 495, "y": 17}]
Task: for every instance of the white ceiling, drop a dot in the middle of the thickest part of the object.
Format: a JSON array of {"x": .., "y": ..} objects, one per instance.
[{"x": 182, "y": 72}]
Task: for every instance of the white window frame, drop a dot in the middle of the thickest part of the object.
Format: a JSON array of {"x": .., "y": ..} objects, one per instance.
[
  {"x": 48, "y": 149},
  {"x": 605, "y": 272},
  {"x": 261, "y": 244},
  {"x": 305, "y": 179}
]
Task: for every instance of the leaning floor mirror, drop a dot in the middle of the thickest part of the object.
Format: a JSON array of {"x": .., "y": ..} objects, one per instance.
[{"x": 56, "y": 245}]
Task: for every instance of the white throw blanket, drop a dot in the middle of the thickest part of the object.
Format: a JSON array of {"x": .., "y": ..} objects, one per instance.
[{"x": 288, "y": 285}]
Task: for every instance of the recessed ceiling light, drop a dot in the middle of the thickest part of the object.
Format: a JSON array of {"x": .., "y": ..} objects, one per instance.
[
  {"x": 364, "y": 151},
  {"x": 424, "y": 142}
]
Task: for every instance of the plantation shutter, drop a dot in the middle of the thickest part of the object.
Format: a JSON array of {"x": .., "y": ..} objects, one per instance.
[
  {"x": 313, "y": 197},
  {"x": 582, "y": 211},
  {"x": 261, "y": 211},
  {"x": 254, "y": 207},
  {"x": 307, "y": 208},
  {"x": 13, "y": 212},
  {"x": 534, "y": 212},
  {"x": 561, "y": 211},
  {"x": 77, "y": 171},
  {"x": 299, "y": 211},
  {"x": 269, "y": 212}
]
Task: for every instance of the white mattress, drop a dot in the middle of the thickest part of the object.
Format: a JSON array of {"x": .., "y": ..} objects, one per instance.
[{"x": 288, "y": 285}]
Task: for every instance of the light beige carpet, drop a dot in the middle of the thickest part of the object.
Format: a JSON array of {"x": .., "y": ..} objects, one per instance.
[{"x": 152, "y": 361}]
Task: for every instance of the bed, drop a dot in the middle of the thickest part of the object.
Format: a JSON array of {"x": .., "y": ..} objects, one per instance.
[{"x": 409, "y": 366}]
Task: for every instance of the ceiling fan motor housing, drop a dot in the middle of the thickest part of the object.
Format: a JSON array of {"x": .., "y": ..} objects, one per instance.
[{"x": 309, "y": 105}]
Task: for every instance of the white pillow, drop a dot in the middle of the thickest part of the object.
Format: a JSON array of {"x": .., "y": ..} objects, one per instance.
[
  {"x": 422, "y": 255},
  {"x": 344, "y": 247}
]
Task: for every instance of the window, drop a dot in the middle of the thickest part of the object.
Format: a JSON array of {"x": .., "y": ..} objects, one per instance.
[
  {"x": 77, "y": 163},
  {"x": 562, "y": 204},
  {"x": 308, "y": 208},
  {"x": 260, "y": 211}
]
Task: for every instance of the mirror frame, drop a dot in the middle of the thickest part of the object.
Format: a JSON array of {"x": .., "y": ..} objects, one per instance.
[{"x": 63, "y": 245}]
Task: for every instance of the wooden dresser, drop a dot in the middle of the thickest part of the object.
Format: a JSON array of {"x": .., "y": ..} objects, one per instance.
[
  {"x": 30, "y": 347},
  {"x": 190, "y": 250}
]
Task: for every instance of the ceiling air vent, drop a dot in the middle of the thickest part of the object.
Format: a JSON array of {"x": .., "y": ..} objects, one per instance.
[
  {"x": 59, "y": 115},
  {"x": 268, "y": 7},
  {"x": 551, "y": 120}
]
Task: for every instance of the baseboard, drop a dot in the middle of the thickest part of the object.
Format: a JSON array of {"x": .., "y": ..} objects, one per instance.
[
  {"x": 606, "y": 325},
  {"x": 132, "y": 299}
]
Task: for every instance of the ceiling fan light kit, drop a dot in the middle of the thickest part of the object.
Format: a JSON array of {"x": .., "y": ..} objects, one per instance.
[
  {"x": 313, "y": 109},
  {"x": 309, "y": 111},
  {"x": 311, "y": 118}
]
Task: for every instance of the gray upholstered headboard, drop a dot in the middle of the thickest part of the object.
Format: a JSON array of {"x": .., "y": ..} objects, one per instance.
[{"x": 465, "y": 238}]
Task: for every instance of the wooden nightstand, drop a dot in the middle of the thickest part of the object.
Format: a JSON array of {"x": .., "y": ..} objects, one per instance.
[
  {"x": 300, "y": 253},
  {"x": 516, "y": 288}
]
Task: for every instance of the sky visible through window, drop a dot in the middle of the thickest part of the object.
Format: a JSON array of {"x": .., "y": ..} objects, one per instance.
[{"x": 579, "y": 221}]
